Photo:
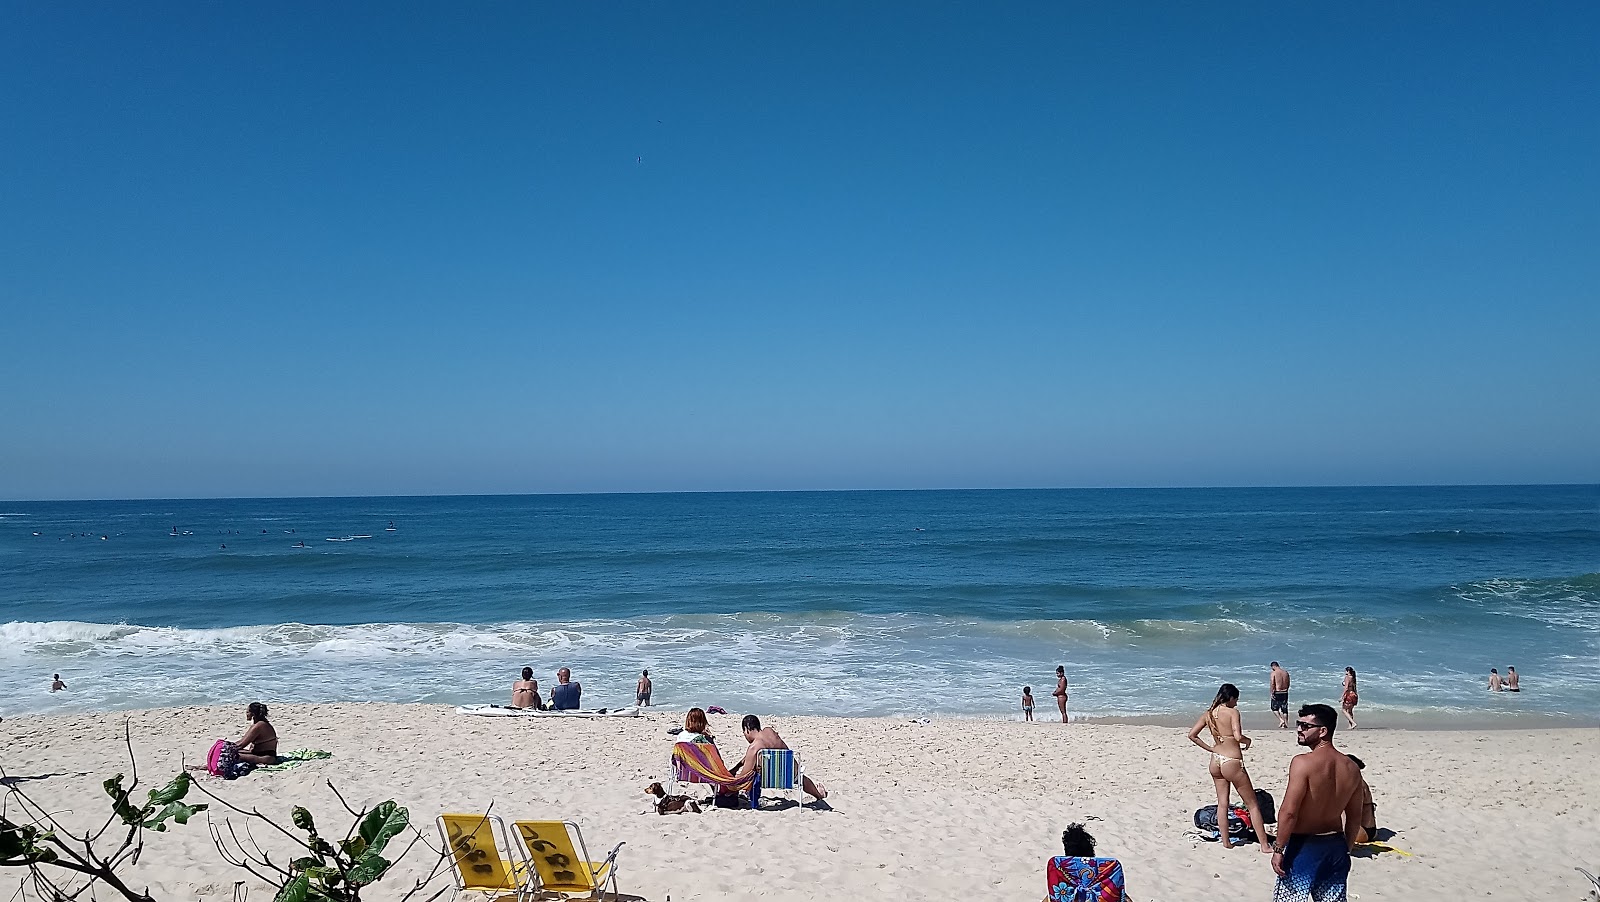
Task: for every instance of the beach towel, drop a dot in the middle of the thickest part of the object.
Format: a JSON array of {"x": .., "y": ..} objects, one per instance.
[
  {"x": 1084, "y": 880},
  {"x": 296, "y": 756},
  {"x": 699, "y": 762}
]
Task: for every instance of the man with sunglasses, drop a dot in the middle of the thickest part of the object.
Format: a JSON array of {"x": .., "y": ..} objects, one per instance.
[{"x": 1320, "y": 815}]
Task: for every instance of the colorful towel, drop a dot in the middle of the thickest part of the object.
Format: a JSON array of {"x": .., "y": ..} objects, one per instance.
[
  {"x": 699, "y": 762},
  {"x": 296, "y": 756},
  {"x": 1083, "y": 880}
]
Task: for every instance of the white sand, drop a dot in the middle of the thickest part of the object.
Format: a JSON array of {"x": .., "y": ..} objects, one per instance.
[{"x": 954, "y": 809}]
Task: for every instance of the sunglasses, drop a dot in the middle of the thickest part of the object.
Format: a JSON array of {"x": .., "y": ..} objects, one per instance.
[{"x": 1302, "y": 725}]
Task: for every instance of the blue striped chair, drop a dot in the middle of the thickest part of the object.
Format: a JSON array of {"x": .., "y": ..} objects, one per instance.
[{"x": 780, "y": 772}]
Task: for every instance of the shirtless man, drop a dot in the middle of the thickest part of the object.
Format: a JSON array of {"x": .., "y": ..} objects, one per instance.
[
  {"x": 1511, "y": 680},
  {"x": 1321, "y": 814},
  {"x": 57, "y": 686},
  {"x": 1278, "y": 684},
  {"x": 760, "y": 738},
  {"x": 642, "y": 694},
  {"x": 1494, "y": 680}
]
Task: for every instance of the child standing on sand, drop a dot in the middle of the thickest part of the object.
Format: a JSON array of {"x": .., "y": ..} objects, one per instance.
[{"x": 1027, "y": 703}]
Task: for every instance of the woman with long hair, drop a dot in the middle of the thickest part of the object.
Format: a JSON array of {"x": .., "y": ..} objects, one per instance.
[
  {"x": 1349, "y": 698},
  {"x": 1228, "y": 743}
]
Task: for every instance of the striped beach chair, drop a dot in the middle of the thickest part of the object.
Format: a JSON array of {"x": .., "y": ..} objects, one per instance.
[{"x": 780, "y": 772}]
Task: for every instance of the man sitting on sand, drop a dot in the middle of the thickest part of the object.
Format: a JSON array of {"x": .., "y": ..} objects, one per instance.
[
  {"x": 565, "y": 697},
  {"x": 760, "y": 738},
  {"x": 1321, "y": 814}
]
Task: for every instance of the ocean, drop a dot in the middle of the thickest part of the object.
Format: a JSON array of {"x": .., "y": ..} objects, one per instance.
[{"x": 902, "y": 603}]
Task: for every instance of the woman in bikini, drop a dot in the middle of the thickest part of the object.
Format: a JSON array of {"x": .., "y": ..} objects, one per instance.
[
  {"x": 259, "y": 744},
  {"x": 1349, "y": 699},
  {"x": 525, "y": 692},
  {"x": 1228, "y": 743}
]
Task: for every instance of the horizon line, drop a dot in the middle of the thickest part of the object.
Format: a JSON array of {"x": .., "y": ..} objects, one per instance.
[{"x": 1103, "y": 488}]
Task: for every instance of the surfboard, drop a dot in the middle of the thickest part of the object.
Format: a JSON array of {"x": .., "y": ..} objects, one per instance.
[{"x": 505, "y": 711}]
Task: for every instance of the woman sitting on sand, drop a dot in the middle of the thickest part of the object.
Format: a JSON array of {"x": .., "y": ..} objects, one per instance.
[
  {"x": 259, "y": 744},
  {"x": 1228, "y": 743},
  {"x": 696, "y": 728},
  {"x": 1349, "y": 699},
  {"x": 525, "y": 692}
]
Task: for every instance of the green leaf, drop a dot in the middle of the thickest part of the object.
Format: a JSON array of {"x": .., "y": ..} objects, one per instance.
[
  {"x": 304, "y": 864},
  {"x": 295, "y": 890},
  {"x": 368, "y": 869},
  {"x": 177, "y": 811},
  {"x": 172, "y": 792},
  {"x": 302, "y": 819},
  {"x": 383, "y": 823}
]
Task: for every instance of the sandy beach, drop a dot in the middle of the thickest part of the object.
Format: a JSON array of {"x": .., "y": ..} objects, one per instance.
[{"x": 950, "y": 809}]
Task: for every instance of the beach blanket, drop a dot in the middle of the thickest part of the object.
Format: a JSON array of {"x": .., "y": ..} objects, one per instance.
[
  {"x": 295, "y": 757},
  {"x": 699, "y": 762},
  {"x": 1084, "y": 880}
]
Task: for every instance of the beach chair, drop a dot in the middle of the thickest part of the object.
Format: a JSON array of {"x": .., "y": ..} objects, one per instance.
[
  {"x": 555, "y": 853},
  {"x": 473, "y": 842},
  {"x": 780, "y": 772},
  {"x": 1083, "y": 880},
  {"x": 699, "y": 762}
]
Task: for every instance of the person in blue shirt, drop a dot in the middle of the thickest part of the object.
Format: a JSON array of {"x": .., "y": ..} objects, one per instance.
[{"x": 565, "y": 696}]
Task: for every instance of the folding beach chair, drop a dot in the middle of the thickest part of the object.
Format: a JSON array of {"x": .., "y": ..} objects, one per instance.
[
  {"x": 699, "y": 762},
  {"x": 1083, "y": 880},
  {"x": 555, "y": 852},
  {"x": 780, "y": 772},
  {"x": 473, "y": 842}
]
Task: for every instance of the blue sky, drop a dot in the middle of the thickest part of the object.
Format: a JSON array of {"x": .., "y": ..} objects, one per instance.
[{"x": 412, "y": 248}]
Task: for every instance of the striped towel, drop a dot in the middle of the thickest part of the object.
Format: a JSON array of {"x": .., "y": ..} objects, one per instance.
[{"x": 698, "y": 762}]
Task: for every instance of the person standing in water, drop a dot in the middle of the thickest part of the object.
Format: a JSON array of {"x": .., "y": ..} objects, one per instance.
[
  {"x": 1511, "y": 680},
  {"x": 642, "y": 691},
  {"x": 1061, "y": 691},
  {"x": 57, "y": 685},
  {"x": 1278, "y": 685},
  {"x": 1349, "y": 699},
  {"x": 1228, "y": 743},
  {"x": 1027, "y": 703},
  {"x": 1494, "y": 680}
]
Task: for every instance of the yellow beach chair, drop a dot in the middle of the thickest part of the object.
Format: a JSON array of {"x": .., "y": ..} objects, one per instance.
[
  {"x": 474, "y": 849},
  {"x": 555, "y": 852}
]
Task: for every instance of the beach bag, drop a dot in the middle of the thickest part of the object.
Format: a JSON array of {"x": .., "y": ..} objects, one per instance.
[
  {"x": 1269, "y": 812},
  {"x": 1083, "y": 880},
  {"x": 223, "y": 761},
  {"x": 1205, "y": 820}
]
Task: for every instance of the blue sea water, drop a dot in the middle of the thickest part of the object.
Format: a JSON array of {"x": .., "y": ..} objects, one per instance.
[{"x": 831, "y": 602}]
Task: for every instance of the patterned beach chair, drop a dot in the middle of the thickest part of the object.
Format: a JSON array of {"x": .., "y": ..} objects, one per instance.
[
  {"x": 1083, "y": 880},
  {"x": 555, "y": 852},
  {"x": 474, "y": 842},
  {"x": 780, "y": 772},
  {"x": 699, "y": 762}
]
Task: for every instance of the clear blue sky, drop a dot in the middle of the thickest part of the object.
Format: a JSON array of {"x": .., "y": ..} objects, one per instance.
[{"x": 268, "y": 249}]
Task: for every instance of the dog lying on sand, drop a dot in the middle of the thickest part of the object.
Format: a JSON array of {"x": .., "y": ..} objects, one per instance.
[{"x": 666, "y": 804}]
